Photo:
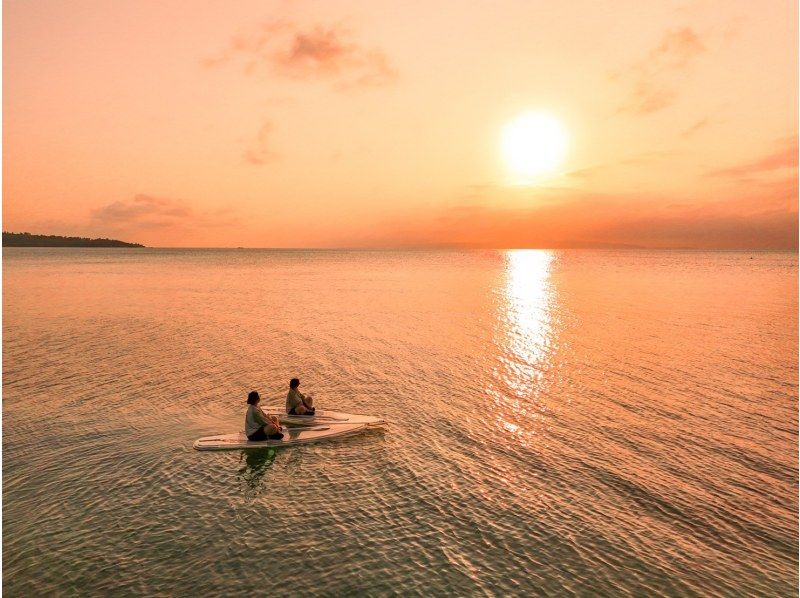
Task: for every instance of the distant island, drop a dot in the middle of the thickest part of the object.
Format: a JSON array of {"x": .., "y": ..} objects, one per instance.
[{"x": 29, "y": 240}]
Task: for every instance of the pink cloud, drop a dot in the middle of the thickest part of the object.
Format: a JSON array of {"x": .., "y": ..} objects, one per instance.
[
  {"x": 567, "y": 218},
  {"x": 651, "y": 81},
  {"x": 328, "y": 53},
  {"x": 695, "y": 127},
  {"x": 260, "y": 151},
  {"x": 149, "y": 214},
  {"x": 783, "y": 157}
]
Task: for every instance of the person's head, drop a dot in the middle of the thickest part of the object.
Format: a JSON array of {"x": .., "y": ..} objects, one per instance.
[
  {"x": 253, "y": 398},
  {"x": 294, "y": 382}
]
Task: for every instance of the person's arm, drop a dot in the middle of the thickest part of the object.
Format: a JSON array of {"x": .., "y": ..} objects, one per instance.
[
  {"x": 267, "y": 419},
  {"x": 305, "y": 399}
]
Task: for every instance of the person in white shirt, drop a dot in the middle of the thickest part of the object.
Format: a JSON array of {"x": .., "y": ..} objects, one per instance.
[
  {"x": 257, "y": 424},
  {"x": 296, "y": 402}
]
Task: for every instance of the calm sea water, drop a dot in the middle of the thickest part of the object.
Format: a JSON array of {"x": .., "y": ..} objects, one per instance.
[{"x": 568, "y": 422}]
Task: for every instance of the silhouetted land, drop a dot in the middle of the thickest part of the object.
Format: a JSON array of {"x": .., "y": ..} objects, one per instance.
[{"x": 29, "y": 240}]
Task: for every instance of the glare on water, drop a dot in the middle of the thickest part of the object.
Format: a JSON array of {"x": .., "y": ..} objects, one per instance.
[{"x": 526, "y": 332}]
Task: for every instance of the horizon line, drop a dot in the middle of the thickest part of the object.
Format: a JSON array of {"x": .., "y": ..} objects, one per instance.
[{"x": 432, "y": 248}]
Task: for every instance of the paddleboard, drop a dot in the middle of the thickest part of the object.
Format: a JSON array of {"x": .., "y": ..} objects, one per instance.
[
  {"x": 291, "y": 436},
  {"x": 326, "y": 417}
]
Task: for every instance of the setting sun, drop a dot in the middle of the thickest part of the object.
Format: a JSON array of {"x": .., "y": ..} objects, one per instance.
[{"x": 533, "y": 144}]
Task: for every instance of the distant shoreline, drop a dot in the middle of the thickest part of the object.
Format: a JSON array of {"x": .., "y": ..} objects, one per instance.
[{"x": 29, "y": 240}]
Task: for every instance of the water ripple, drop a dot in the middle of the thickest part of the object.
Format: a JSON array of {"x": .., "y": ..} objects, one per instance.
[{"x": 561, "y": 423}]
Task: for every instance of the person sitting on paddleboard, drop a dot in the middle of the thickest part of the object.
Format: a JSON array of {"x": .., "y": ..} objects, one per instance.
[
  {"x": 257, "y": 424},
  {"x": 296, "y": 402}
]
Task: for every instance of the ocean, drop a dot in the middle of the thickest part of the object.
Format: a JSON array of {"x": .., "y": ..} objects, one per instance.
[{"x": 577, "y": 422}]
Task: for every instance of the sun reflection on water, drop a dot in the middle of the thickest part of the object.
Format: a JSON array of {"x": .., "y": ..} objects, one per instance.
[{"x": 525, "y": 340}]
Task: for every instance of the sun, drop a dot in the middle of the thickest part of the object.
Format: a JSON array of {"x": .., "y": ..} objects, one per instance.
[{"x": 533, "y": 144}]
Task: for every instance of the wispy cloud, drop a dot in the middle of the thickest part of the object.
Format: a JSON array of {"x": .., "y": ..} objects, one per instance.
[
  {"x": 260, "y": 151},
  {"x": 327, "y": 53},
  {"x": 695, "y": 127},
  {"x": 762, "y": 221},
  {"x": 785, "y": 156},
  {"x": 143, "y": 212},
  {"x": 567, "y": 218},
  {"x": 146, "y": 213},
  {"x": 651, "y": 81},
  {"x": 639, "y": 159}
]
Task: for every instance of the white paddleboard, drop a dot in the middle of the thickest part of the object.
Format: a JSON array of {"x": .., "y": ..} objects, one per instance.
[
  {"x": 326, "y": 417},
  {"x": 227, "y": 442}
]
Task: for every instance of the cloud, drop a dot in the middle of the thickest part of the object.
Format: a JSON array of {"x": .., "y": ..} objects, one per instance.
[
  {"x": 143, "y": 211},
  {"x": 677, "y": 49},
  {"x": 568, "y": 218},
  {"x": 651, "y": 82},
  {"x": 260, "y": 152},
  {"x": 766, "y": 221},
  {"x": 145, "y": 214},
  {"x": 287, "y": 51},
  {"x": 785, "y": 156},
  {"x": 695, "y": 127},
  {"x": 639, "y": 159},
  {"x": 324, "y": 53}
]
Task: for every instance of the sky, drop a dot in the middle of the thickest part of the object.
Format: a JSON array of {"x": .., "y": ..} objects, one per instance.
[{"x": 378, "y": 124}]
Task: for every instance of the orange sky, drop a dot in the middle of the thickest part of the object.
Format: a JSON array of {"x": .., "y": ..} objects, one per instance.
[{"x": 294, "y": 124}]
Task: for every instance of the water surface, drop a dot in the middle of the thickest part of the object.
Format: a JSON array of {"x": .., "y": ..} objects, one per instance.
[{"x": 568, "y": 422}]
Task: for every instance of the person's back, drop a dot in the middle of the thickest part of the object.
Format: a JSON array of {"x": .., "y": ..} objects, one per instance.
[{"x": 253, "y": 420}]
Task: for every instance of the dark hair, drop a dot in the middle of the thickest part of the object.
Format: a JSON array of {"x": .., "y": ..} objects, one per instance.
[
  {"x": 294, "y": 383},
  {"x": 252, "y": 398}
]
